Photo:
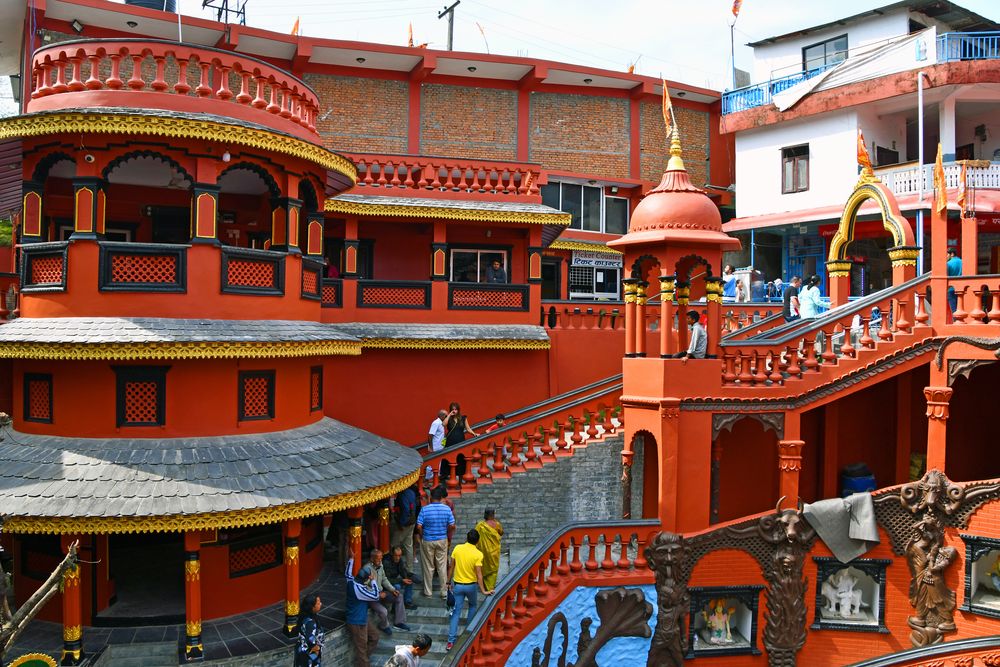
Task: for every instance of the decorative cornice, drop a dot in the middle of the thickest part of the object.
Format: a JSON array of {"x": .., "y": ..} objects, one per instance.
[
  {"x": 467, "y": 344},
  {"x": 446, "y": 213},
  {"x": 136, "y": 123},
  {"x": 184, "y": 522},
  {"x": 194, "y": 350},
  {"x": 904, "y": 255},
  {"x": 566, "y": 244}
]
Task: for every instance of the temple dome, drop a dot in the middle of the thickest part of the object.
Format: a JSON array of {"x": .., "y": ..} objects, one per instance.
[{"x": 675, "y": 204}]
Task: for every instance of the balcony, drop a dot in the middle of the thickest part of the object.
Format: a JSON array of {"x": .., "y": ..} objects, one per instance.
[
  {"x": 164, "y": 75},
  {"x": 906, "y": 180}
]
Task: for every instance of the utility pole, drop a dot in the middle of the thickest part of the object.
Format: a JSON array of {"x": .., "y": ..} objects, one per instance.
[{"x": 450, "y": 11}]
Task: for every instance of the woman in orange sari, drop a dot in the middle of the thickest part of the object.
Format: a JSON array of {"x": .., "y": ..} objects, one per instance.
[{"x": 490, "y": 531}]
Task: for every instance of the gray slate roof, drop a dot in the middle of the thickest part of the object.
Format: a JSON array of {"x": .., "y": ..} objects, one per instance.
[
  {"x": 463, "y": 204},
  {"x": 94, "y": 330},
  {"x": 48, "y": 476},
  {"x": 372, "y": 330}
]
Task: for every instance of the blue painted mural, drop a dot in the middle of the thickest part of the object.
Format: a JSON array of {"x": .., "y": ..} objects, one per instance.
[{"x": 626, "y": 614}]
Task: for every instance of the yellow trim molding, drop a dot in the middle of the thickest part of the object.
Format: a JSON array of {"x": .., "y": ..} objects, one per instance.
[
  {"x": 582, "y": 245},
  {"x": 904, "y": 256},
  {"x": 136, "y": 123},
  {"x": 457, "y": 344},
  {"x": 201, "y": 350},
  {"x": 864, "y": 191},
  {"x": 183, "y": 522},
  {"x": 446, "y": 213}
]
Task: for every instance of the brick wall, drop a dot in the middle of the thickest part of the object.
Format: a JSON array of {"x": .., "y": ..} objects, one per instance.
[
  {"x": 468, "y": 122},
  {"x": 654, "y": 149},
  {"x": 361, "y": 115},
  {"x": 580, "y": 133}
]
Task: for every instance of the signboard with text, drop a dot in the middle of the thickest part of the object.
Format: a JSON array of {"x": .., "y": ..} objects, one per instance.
[{"x": 596, "y": 259}]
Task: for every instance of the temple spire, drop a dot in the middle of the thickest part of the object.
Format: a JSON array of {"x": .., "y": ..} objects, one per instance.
[{"x": 675, "y": 163}]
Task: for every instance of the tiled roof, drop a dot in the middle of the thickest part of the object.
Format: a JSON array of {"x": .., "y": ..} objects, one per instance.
[
  {"x": 48, "y": 476},
  {"x": 484, "y": 332},
  {"x": 112, "y": 330},
  {"x": 458, "y": 204}
]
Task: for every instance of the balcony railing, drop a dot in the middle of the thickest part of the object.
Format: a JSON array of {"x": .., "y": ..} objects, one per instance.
[
  {"x": 333, "y": 293},
  {"x": 407, "y": 175},
  {"x": 246, "y": 271},
  {"x": 486, "y": 296},
  {"x": 44, "y": 266},
  {"x": 952, "y": 46},
  {"x": 312, "y": 279},
  {"x": 142, "y": 267},
  {"x": 162, "y": 71},
  {"x": 760, "y": 94},
  {"x": 906, "y": 180},
  {"x": 394, "y": 294}
]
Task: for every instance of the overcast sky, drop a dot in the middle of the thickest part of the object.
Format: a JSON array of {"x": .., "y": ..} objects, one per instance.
[{"x": 682, "y": 40}]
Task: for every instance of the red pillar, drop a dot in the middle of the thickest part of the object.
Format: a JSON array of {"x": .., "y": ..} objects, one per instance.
[
  {"x": 640, "y": 318},
  {"x": 667, "y": 346},
  {"x": 940, "y": 312},
  {"x": 314, "y": 235},
  {"x": 683, "y": 296},
  {"x": 904, "y": 264},
  {"x": 31, "y": 220},
  {"x": 354, "y": 516},
  {"x": 88, "y": 207},
  {"x": 630, "y": 285},
  {"x": 204, "y": 213},
  {"x": 713, "y": 297},
  {"x": 193, "y": 647},
  {"x": 72, "y": 610},
  {"x": 970, "y": 245},
  {"x": 789, "y": 466},
  {"x": 938, "y": 399},
  {"x": 839, "y": 280},
  {"x": 383, "y": 527},
  {"x": 293, "y": 530}
]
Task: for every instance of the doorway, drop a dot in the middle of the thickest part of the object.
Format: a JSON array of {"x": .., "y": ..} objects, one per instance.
[
  {"x": 551, "y": 279},
  {"x": 171, "y": 224},
  {"x": 147, "y": 575}
]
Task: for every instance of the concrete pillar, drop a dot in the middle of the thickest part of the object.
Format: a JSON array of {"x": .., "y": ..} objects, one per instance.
[
  {"x": 946, "y": 125},
  {"x": 193, "y": 647},
  {"x": 938, "y": 399},
  {"x": 667, "y": 288},
  {"x": 839, "y": 273}
]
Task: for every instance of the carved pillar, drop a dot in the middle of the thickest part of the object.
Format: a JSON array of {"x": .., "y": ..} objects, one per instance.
[
  {"x": 314, "y": 235},
  {"x": 938, "y": 399},
  {"x": 713, "y": 296},
  {"x": 285, "y": 213},
  {"x": 640, "y": 318},
  {"x": 383, "y": 527},
  {"x": 839, "y": 271},
  {"x": 789, "y": 465},
  {"x": 205, "y": 213},
  {"x": 354, "y": 516},
  {"x": 293, "y": 530},
  {"x": 31, "y": 216},
  {"x": 683, "y": 296},
  {"x": 72, "y": 611},
  {"x": 630, "y": 287},
  {"x": 716, "y": 487},
  {"x": 667, "y": 287},
  {"x": 88, "y": 208},
  {"x": 904, "y": 263},
  {"x": 670, "y": 420},
  {"x": 193, "y": 646}
]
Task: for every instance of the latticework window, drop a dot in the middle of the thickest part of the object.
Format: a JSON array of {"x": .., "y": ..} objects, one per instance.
[
  {"x": 249, "y": 558},
  {"x": 316, "y": 388},
  {"x": 256, "y": 395},
  {"x": 141, "y": 395},
  {"x": 146, "y": 269},
  {"x": 38, "y": 397},
  {"x": 47, "y": 269}
]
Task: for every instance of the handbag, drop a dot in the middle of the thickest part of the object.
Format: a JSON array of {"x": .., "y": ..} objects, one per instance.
[{"x": 450, "y": 603}]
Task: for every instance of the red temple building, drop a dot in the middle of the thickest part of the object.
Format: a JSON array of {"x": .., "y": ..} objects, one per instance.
[{"x": 249, "y": 268}]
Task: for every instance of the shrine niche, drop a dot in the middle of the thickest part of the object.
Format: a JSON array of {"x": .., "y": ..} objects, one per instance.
[
  {"x": 982, "y": 575},
  {"x": 850, "y": 596},
  {"x": 723, "y": 621}
]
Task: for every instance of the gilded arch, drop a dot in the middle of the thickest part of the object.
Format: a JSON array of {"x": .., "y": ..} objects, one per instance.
[{"x": 904, "y": 250}]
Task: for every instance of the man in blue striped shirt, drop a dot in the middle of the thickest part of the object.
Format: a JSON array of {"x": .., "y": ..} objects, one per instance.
[{"x": 435, "y": 526}]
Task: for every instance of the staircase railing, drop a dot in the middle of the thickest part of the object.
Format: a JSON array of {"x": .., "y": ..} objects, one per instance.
[
  {"x": 978, "y": 299},
  {"x": 795, "y": 349},
  {"x": 541, "y": 436},
  {"x": 936, "y": 653},
  {"x": 598, "y": 553}
]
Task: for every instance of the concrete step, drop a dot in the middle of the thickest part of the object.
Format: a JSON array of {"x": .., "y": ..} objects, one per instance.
[
  {"x": 431, "y": 617},
  {"x": 154, "y": 654}
]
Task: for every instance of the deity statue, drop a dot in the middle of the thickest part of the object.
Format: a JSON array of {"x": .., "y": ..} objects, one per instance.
[
  {"x": 717, "y": 621},
  {"x": 841, "y": 594},
  {"x": 930, "y": 597},
  {"x": 995, "y": 573},
  {"x": 667, "y": 554}
]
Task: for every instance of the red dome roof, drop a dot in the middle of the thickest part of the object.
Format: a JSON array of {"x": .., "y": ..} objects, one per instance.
[{"x": 675, "y": 204}]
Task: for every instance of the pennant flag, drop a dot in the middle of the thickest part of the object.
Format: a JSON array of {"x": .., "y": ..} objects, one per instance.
[
  {"x": 631, "y": 68},
  {"x": 940, "y": 196},
  {"x": 295, "y": 28},
  {"x": 409, "y": 33},
  {"x": 736, "y": 8},
  {"x": 962, "y": 185},
  {"x": 864, "y": 159},
  {"x": 668, "y": 111}
]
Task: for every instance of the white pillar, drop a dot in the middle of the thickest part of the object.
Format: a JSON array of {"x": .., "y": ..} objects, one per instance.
[{"x": 946, "y": 123}]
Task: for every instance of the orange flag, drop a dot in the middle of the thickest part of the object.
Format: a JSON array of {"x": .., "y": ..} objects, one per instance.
[
  {"x": 864, "y": 159},
  {"x": 736, "y": 7},
  {"x": 940, "y": 196},
  {"x": 962, "y": 185},
  {"x": 668, "y": 111},
  {"x": 295, "y": 28},
  {"x": 409, "y": 33}
]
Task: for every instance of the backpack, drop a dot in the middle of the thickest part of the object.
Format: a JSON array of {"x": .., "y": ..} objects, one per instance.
[{"x": 406, "y": 503}]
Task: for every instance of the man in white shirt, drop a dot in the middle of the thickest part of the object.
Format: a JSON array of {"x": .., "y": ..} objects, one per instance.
[
  {"x": 697, "y": 336},
  {"x": 435, "y": 437}
]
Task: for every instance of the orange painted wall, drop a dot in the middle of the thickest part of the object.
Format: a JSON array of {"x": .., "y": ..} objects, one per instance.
[
  {"x": 222, "y": 596},
  {"x": 579, "y": 357},
  {"x": 970, "y": 437},
  {"x": 748, "y": 473},
  {"x": 201, "y": 398}
]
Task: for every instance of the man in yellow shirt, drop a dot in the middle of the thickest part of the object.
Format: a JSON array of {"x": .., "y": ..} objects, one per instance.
[{"x": 465, "y": 574}]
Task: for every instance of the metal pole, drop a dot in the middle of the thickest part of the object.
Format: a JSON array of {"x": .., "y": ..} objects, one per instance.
[
  {"x": 751, "y": 250},
  {"x": 732, "y": 50},
  {"x": 450, "y": 11},
  {"x": 923, "y": 172}
]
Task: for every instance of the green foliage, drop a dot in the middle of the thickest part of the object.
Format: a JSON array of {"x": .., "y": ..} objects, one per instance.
[{"x": 6, "y": 230}]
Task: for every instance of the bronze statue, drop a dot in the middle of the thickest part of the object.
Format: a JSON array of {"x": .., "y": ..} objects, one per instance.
[{"x": 667, "y": 555}]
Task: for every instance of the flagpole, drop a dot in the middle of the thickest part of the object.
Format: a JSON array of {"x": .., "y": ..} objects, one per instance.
[{"x": 732, "y": 49}]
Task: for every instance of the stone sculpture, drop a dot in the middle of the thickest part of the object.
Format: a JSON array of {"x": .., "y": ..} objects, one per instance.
[
  {"x": 667, "y": 554},
  {"x": 841, "y": 594}
]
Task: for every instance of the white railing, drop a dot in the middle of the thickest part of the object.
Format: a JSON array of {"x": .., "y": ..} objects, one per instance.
[{"x": 906, "y": 180}]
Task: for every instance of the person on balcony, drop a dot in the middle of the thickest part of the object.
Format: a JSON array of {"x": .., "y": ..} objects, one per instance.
[
  {"x": 465, "y": 576},
  {"x": 954, "y": 270},
  {"x": 790, "y": 300},
  {"x": 435, "y": 526},
  {"x": 810, "y": 301},
  {"x": 490, "y": 531},
  {"x": 728, "y": 284},
  {"x": 698, "y": 337},
  {"x": 496, "y": 273}
]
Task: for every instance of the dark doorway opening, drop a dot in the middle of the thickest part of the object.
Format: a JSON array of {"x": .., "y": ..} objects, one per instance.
[
  {"x": 147, "y": 572},
  {"x": 171, "y": 224},
  {"x": 551, "y": 279}
]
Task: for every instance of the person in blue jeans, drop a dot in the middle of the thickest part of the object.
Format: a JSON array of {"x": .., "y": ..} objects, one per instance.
[{"x": 465, "y": 576}]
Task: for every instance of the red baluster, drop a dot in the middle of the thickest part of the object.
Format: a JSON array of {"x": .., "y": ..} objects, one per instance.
[
  {"x": 623, "y": 561},
  {"x": 902, "y": 324},
  {"x": 775, "y": 375},
  {"x": 520, "y": 608},
  {"x": 500, "y": 470},
  {"x": 640, "y": 562},
  {"x": 530, "y": 599},
  {"x": 576, "y": 438},
  {"x": 846, "y": 349},
  {"x": 285, "y": 111},
  {"x": 182, "y": 87},
  {"x": 959, "y": 314},
  {"x": 792, "y": 353},
  {"x": 976, "y": 313},
  {"x": 527, "y": 442},
  {"x": 60, "y": 83},
  {"x": 224, "y": 93},
  {"x": 273, "y": 107},
  {"x": 865, "y": 341},
  {"x": 114, "y": 81},
  {"x": 608, "y": 562},
  {"x": 591, "y": 426},
  {"x": 547, "y": 454},
  {"x": 394, "y": 170},
  {"x": 93, "y": 82},
  {"x": 541, "y": 588},
  {"x": 203, "y": 89},
  {"x": 159, "y": 84},
  {"x": 883, "y": 330},
  {"x": 575, "y": 565},
  {"x": 994, "y": 314},
  {"x": 508, "y": 616},
  {"x": 516, "y": 463},
  {"x": 75, "y": 84},
  {"x": 258, "y": 101},
  {"x": 561, "y": 446},
  {"x": 729, "y": 369},
  {"x": 759, "y": 363},
  {"x": 468, "y": 479},
  {"x": 484, "y": 470},
  {"x": 453, "y": 481},
  {"x": 244, "y": 95},
  {"x": 829, "y": 356},
  {"x": 810, "y": 363},
  {"x": 562, "y": 565},
  {"x": 921, "y": 316},
  {"x": 591, "y": 564},
  {"x": 555, "y": 579},
  {"x": 135, "y": 81},
  {"x": 745, "y": 377}
]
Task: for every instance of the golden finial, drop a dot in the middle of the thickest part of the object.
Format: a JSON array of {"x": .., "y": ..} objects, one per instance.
[{"x": 675, "y": 163}]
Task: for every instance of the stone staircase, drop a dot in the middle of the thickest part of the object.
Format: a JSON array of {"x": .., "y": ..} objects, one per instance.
[
  {"x": 154, "y": 654},
  {"x": 432, "y": 618}
]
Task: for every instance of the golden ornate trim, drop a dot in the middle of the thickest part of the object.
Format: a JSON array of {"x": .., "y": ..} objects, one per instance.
[
  {"x": 844, "y": 235},
  {"x": 456, "y": 344},
  {"x": 839, "y": 268},
  {"x": 904, "y": 256},
  {"x": 383, "y": 515},
  {"x": 32, "y": 657},
  {"x": 446, "y": 213},
  {"x": 292, "y": 607},
  {"x": 194, "y": 350},
  {"x": 192, "y": 569},
  {"x": 207, "y": 521},
  {"x": 72, "y": 633},
  {"x": 354, "y": 533},
  {"x": 136, "y": 123},
  {"x": 291, "y": 555},
  {"x": 193, "y": 628},
  {"x": 567, "y": 244}
]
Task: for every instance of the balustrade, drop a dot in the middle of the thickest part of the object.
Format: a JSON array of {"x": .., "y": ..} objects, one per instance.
[
  {"x": 333, "y": 293},
  {"x": 394, "y": 294},
  {"x": 487, "y": 296},
  {"x": 261, "y": 91},
  {"x": 978, "y": 300},
  {"x": 43, "y": 267},
  {"x": 312, "y": 279},
  {"x": 246, "y": 271},
  {"x": 142, "y": 267},
  {"x": 576, "y": 315},
  {"x": 440, "y": 176}
]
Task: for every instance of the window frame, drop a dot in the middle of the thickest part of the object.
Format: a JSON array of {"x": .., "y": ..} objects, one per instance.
[
  {"x": 794, "y": 160},
  {"x": 826, "y": 52},
  {"x": 316, "y": 370},
  {"x": 127, "y": 374},
  {"x": 26, "y": 398},
  {"x": 604, "y": 213},
  {"x": 271, "y": 377},
  {"x": 594, "y": 295},
  {"x": 603, "y": 227},
  {"x": 480, "y": 250}
]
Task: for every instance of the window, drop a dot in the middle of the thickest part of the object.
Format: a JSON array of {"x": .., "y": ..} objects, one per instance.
[
  {"x": 590, "y": 209},
  {"x": 141, "y": 395},
  {"x": 315, "y": 388},
  {"x": 469, "y": 265},
  {"x": 850, "y": 596},
  {"x": 825, "y": 53},
  {"x": 588, "y": 282},
  {"x": 256, "y": 395},
  {"x": 38, "y": 397},
  {"x": 794, "y": 169}
]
